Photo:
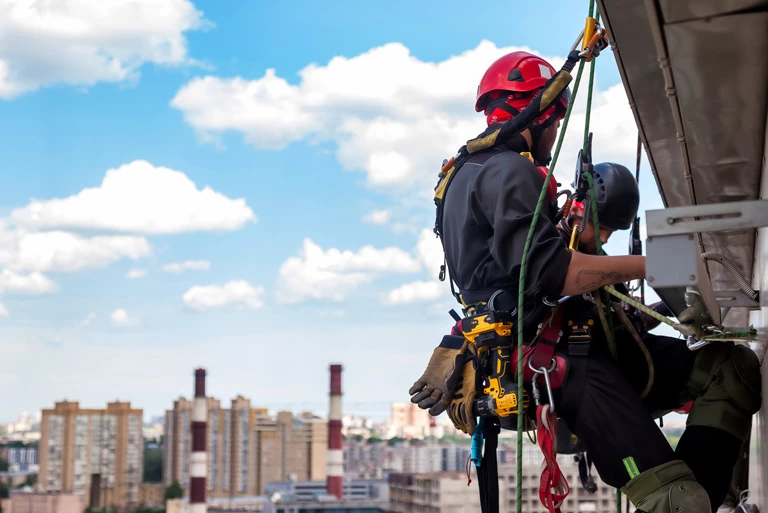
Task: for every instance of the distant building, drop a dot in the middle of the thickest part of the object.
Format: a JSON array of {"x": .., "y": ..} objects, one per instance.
[
  {"x": 360, "y": 496},
  {"x": 246, "y": 447},
  {"x": 20, "y": 458},
  {"x": 363, "y": 459},
  {"x": 152, "y": 494},
  {"x": 28, "y": 502},
  {"x": 95, "y": 454},
  {"x": 437, "y": 492}
]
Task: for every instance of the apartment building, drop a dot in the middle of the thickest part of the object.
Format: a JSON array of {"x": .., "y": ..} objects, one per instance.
[
  {"x": 95, "y": 454},
  {"x": 246, "y": 448},
  {"x": 434, "y": 492}
]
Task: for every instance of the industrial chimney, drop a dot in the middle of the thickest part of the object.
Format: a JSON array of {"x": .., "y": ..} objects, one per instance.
[
  {"x": 199, "y": 467},
  {"x": 335, "y": 468}
]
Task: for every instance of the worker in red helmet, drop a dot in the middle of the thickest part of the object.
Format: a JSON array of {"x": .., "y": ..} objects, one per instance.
[
  {"x": 509, "y": 85},
  {"x": 487, "y": 211}
]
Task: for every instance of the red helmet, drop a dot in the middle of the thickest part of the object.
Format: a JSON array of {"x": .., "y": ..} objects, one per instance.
[{"x": 519, "y": 72}]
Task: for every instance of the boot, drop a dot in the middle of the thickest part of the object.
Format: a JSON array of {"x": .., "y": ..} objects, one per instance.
[{"x": 668, "y": 488}]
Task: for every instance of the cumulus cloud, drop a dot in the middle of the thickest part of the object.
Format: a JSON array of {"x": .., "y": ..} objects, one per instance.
[
  {"x": 416, "y": 291},
  {"x": 187, "y": 265},
  {"x": 139, "y": 197},
  {"x": 121, "y": 319},
  {"x": 332, "y": 274},
  {"x": 33, "y": 283},
  {"x": 3, "y": 310},
  {"x": 430, "y": 254},
  {"x": 135, "y": 274},
  {"x": 22, "y": 250},
  {"x": 380, "y": 217},
  {"x": 83, "y": 42},
  {"x": 233, "y": 293},
  {"x": 88, "y": 319},
  {"x": 397, "y": 128}
]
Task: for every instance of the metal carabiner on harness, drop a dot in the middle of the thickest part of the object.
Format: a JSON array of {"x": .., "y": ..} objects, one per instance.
[
  {"x": 492, "y": 302},
  {"x": 535, "y": 386}
]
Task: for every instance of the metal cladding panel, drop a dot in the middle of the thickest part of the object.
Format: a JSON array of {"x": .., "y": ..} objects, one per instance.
[
  {"x": 675, "y": 11},
  {"x": 722, "y": 91},
  {"x": 633, "y": 45},
  {"x": 721, "y": 83}
]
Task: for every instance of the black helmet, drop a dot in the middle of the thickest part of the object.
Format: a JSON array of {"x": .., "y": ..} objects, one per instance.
[{"x": 617, "y": 195}]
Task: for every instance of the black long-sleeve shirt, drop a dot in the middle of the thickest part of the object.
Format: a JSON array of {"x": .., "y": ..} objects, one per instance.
[{"x": 488, "y": 210}]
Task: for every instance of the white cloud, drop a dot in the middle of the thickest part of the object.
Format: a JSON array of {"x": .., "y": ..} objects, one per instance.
[
  {"x": 135, "y": 274},
  {"x": 83, "y": 42},
  {"x": 139, "y": 197},
  {"x": 21, "y": 250},
  {"x": 233, "y": 293},
  {"x": 332, "y": 274},
  {"x": 378, "y": 217},
  {"x": 187, "y": 265},
  {"x": 397, "y": 128},
  {"x": 416, "y": 291},
  {"x": 430, "y": 253},
  {"x": 3, "y": 310},
  {"x": 33, "y": 283},
  {"x": 121, "y": 319},
  {"x": 88, "y": 319}
]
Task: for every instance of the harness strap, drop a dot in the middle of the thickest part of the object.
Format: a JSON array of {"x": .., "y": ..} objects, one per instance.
[
  {"x": 488, "y": 471},
  {"x": 553, "y": 487},
  {"x": 544, "y": 350}
]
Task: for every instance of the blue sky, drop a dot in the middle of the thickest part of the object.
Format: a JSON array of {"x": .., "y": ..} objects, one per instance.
[{"x": 328, "y": 120}]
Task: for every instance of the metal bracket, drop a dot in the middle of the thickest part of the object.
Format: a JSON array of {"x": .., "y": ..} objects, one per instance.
[
  {"x": 734, "y": 215},
  {"x": 735, "y": 298}
]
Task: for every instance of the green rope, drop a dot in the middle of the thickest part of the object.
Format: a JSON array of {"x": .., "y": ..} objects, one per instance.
[
  {"x": 648, "y": 311},
  {"x": 521, "y": 283},
  {"x": 618, "y": 500}
]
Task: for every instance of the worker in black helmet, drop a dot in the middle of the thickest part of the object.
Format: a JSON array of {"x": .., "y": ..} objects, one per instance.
[
  {"x": 484, "y": 219},
  {"x": 612, "y": 407}
]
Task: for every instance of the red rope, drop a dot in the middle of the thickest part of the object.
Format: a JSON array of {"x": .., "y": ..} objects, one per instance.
[
  {"x": 469, "y": 479},
  {"x": 553, "y": 487}
]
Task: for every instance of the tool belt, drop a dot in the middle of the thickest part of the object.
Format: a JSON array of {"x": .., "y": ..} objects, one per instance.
[{"x": 493, "y": 332}]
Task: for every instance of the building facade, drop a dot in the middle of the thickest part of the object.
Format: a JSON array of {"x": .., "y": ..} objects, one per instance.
[
  {"x": 20, "y": 458},
  {"x": 95, "y": 454},
  {"x": 24, "y": 502},
  {"x": 246, "y": 448},
  {"x": 435, "y": 492}
]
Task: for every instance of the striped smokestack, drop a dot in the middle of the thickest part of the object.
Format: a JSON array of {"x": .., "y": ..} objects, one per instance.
[
  {"x": 198, "y": 469},
  {"x": 335, "y": 469}
]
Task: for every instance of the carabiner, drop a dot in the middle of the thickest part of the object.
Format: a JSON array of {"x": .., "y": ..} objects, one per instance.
[{"x": 534, "y": 386}]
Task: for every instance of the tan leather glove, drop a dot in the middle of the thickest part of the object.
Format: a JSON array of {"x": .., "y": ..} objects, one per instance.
[
  {"x": 436, "y": 386},
  {"x": 461, "y": 410}
]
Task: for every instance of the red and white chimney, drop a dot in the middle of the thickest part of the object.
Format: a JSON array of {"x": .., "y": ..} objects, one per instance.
[
  {"x": 335, "y": 467},
  {"x": 199, "y": 467}
]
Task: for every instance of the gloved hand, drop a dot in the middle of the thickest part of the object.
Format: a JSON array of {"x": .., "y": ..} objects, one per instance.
[
  {"x": 461, "y": 411},
  {"x": 436, "y": 386}
]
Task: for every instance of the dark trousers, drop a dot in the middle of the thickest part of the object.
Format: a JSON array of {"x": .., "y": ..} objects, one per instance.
[{"x": 600, "y": 403}]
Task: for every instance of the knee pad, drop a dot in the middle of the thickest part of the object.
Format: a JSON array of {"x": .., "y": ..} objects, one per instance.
[
  {"x": 725, "y": 384},
  {"x": 668, "y": 488}
]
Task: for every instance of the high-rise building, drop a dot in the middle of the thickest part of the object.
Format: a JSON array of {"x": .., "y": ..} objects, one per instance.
[
  {"x": 246, "y": 448},
  {"x": 95, "y": 454}
]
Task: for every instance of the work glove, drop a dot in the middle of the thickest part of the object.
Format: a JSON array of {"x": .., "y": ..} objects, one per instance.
[
  {"x": 461, "y": 410},
  {"x": 436, "y": 386}
]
